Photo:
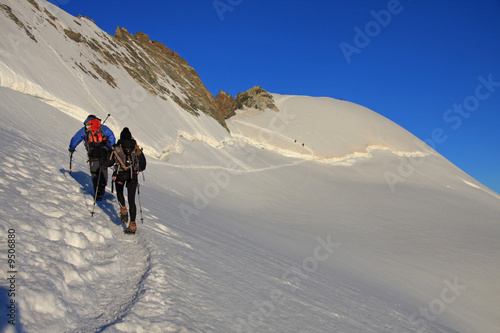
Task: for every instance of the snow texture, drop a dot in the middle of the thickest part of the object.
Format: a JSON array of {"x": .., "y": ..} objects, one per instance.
[{"x": 322, "y": 217}]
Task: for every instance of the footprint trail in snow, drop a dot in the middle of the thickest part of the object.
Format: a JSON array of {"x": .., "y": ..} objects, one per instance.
[{"x": 97, "y": 269}]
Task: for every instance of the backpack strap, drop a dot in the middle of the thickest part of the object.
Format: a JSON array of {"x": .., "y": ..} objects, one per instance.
[
  {"x": 122, "y": 163},
  {"x": 96, "y": 137}
]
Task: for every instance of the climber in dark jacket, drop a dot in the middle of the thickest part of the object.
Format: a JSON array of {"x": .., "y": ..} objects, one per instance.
[{"x": 127, "y": 157}]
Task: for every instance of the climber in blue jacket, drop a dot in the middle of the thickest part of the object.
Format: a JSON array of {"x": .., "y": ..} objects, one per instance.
[{"x": 98, "y": 140}]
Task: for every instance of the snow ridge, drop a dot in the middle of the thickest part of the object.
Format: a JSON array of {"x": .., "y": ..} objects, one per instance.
[{"x": 324, "y": 130}]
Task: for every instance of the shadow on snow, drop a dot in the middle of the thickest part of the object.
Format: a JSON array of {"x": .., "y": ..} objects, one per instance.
[
  {"x": 10, "y": 306},
  {"x": 87, "y": 190}
]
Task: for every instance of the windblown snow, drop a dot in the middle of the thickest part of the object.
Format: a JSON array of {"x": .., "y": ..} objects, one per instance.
[{"x": 322, "y": 217}]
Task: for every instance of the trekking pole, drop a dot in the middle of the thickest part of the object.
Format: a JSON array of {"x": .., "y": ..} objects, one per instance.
[
  {"x": 70, "y": 160},
  {"x": 96, "y": 190},
  {"x": 139, "y": 196}
]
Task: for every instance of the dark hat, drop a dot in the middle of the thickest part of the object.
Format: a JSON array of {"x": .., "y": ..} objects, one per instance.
[
  {"x": 89, "y": 117},
  {"x": 125, "y": 134}
]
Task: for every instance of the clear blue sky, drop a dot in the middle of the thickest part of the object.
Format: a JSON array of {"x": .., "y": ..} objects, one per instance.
[{"x": 417, "y": 62}]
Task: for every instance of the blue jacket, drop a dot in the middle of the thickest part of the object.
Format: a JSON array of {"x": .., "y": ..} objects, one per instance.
[{"x": 80, "y": 136}]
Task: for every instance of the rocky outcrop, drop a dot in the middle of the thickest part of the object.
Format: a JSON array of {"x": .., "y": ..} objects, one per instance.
[
  {"x": 256, "y": 98},
  {"x": 152, "y": 64},
  {"x": 8, "y": 11},
  {"x": 156, "y": 67},
  {"x": 225, "y": 104}
]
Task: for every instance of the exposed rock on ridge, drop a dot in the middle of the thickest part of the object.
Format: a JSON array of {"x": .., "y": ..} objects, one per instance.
[
  {"x": 8, "y": 11},
  {"x": 256, "y": 98},
  {"x": 153, "y": 65},
  {"x": 226, "y": 104}
]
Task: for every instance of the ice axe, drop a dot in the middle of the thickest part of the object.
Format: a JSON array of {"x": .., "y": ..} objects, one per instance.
[
  {"x": 70, "y": 160},
  {"x": 109, "y": 114}
]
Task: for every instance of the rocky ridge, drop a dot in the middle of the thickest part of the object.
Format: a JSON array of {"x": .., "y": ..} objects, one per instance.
[
  {"x": 254, "y": 98},
  {"x": 153, "y": 64}
]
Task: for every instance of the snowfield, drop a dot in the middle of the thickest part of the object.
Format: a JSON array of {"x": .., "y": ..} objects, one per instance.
[{"x": 322, "y": 217}]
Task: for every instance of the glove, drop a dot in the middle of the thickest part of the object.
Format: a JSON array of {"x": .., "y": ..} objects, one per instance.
[{"x": 71, "y": 150}]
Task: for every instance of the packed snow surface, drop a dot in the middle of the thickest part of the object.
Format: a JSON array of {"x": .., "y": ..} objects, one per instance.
[{"x": 322, "y": 217}]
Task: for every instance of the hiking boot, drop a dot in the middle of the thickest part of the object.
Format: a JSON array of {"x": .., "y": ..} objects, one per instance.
[
  {"x": 132, "y": 227},
  {"x": 123, "y": 214}
]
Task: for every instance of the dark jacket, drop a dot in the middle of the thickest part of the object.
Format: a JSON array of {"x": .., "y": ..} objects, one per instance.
[{"x": 118, "y": 158}]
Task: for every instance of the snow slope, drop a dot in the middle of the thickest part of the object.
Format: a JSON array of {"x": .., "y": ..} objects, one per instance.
[
  {"x": 336, "y": 131},
  {"x": 362, "y": 229}
]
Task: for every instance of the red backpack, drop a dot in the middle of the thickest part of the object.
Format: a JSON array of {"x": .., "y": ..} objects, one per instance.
[
  {"x": 93, "y": 132},
  {"x": 95, "y": 139}
]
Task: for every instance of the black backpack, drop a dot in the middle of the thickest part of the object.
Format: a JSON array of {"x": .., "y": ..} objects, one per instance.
[{"x": 129, "y": 157}]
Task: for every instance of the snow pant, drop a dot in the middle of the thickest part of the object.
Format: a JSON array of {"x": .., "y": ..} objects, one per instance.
[
  {"x": 131, "y": 183},
  {"x": 99, "y": 175}
]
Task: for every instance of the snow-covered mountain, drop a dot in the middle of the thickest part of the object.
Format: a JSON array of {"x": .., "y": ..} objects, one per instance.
[{"x": 313, "y": 215}]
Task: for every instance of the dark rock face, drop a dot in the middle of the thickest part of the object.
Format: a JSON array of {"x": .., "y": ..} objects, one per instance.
[{"x": 225, "y": 104}]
